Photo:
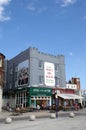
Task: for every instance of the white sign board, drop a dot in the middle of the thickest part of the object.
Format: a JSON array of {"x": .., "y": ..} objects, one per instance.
[{"x": 49, "y": 74}]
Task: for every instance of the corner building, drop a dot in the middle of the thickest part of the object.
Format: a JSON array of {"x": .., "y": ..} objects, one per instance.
[{"x": 31, "y": 76}]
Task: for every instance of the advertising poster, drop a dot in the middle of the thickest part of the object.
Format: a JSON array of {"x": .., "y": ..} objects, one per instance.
[
  {"x": 23, "y": 73},
  {"x": 49, "y": 71}
]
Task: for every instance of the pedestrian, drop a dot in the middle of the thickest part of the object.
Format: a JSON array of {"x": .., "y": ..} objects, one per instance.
[
  {"x": 65, "y": 104},
  {"x": 38, "y": 107},
  {"x": 8, "y": 106},
  {"x": 76, "y": 106}
]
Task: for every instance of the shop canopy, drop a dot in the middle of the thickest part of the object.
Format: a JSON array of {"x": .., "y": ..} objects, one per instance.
[{"x": 69, "y": 96}]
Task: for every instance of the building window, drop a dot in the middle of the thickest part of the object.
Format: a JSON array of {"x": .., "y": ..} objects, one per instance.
[
  {"x": 16, "y": 69},
  {"x": 56, "y": 67},
  {"x": 0, "y": 62},
  {"x": 11, "y": 71},
  {"x": 41, "y": 79},
  {"x": 0, "y": 78},
  {"x": 10, "y": 85},
  {"x": 40, "y": 64},
  {"x": 57, "y": 82},
  {"x": 15, "y": 83}
]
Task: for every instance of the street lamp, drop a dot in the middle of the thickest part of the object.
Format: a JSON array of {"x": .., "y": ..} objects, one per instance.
[{"x": 56, "y": 98}]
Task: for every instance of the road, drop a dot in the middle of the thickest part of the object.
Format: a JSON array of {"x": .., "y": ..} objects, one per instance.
[{"x": 62, "y": 123}]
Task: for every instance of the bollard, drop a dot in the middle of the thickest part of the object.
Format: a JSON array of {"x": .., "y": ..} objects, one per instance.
[
  {"x": 52, "y": 116},
  {"x": 71, "y": 114},
  {"x": 32, "y": 118},
  {"x": 8, "y": 120}
]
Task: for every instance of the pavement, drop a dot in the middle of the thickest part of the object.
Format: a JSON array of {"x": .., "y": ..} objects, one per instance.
[
  {"x": 62, "y": 123},
  {"x": 39, "y": 114}
]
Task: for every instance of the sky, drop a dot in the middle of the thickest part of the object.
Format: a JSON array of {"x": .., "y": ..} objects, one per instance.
[{"x": 53, "y": 26}]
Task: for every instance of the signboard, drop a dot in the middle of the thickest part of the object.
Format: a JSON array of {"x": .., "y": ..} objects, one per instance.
[
  {"x": 40, "y": 91},
  {"x": 49, "y": 72},
  {"x": 23, "y": 73}
]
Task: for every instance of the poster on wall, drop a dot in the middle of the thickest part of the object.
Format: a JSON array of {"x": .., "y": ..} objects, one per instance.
[
  {"x": 23, "y": 72},
  {"x": 49, "y": 72}
]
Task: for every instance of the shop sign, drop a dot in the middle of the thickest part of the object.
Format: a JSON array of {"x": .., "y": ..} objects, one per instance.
[{"x": 40, "y": 91}]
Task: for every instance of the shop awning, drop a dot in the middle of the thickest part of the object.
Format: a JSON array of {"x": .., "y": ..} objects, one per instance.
[{"x": 69, "y": 96}]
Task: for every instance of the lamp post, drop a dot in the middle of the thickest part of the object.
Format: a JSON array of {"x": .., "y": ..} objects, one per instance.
[{"x": 56, "y": 98}]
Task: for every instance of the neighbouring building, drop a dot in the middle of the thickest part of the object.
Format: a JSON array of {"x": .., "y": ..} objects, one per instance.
[
  {"x": 76, "y": 81},
  {"x": 74, "y": 84},
  {"x": 69, "y": 94},
  {"x": 83, "y": 93},
  {"x": 30, "y": 77},
  {"x": 2, "y": 57}
]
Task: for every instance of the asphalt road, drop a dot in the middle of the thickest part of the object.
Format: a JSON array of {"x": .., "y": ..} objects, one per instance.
[{"x": 65, "y": 123}]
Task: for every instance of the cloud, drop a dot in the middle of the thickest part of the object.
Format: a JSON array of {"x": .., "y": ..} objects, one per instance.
[
  {"x": 84, "y": 17},
  {"x": 0, "y": 33},
  {"x": 31, "y": 7},
  {"x": 3, "y": 3},
  {"x": 40, "y": 10},
  {"x": 36, "y": 7},
  {"x": 66, "y": 3},
  {"x": 71, "y": 54}
]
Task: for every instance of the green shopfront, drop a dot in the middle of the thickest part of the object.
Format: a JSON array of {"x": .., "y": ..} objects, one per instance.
[{"x": 39, "y": 96}]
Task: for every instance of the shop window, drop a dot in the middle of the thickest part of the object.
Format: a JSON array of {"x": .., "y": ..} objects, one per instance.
[{"x": 21, "y": 99}]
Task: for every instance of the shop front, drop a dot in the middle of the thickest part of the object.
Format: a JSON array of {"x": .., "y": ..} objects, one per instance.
[
  {"x": 39, "y": 96},
  {"x": 67, "y": 99},
  {"x": 21, "y": 98}
]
